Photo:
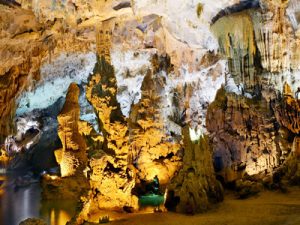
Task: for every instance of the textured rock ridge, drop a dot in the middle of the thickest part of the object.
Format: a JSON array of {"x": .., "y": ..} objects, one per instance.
[
  {"x": 112, "y": 179},
  {"x": 195, "y": 187},
  {"x": 72, "y": 158},
  {"x": 246, "y": 135},
  {"x": 288, "y": 110},
  {"x": 153, "y": 152}
]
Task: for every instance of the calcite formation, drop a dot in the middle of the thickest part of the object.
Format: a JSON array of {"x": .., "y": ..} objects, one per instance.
[
  {"x": 152, "y": 153},
  {"x": 151, "y": 108},
  {"x": 237, "y": 43},
  {"x": 112, "y": 179},
  {"x": 246, "y": 135},
  {"x": 276, "y": 38},
  {"x": 287, "y": 111},
  {"x": 265, "y": 42},
  {"x": 72, "y": 158},
  {"x": 195, "y": 188}
]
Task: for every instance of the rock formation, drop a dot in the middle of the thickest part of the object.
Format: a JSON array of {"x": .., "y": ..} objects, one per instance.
[
  {"x": 246, "y": 135},
  {"x": 153, "y": 152},
  {"x": 111, "y": 177},
  {"x": 166, "y": 98},
  {"x": 195, "y": 188},
  {"x": 33, "y": 221},
  {"x": 72, "y": 158},
  {"x": 257, "y": 126}
]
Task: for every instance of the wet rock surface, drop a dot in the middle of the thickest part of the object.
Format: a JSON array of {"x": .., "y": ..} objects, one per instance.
[{"x": 33, "y": 221}]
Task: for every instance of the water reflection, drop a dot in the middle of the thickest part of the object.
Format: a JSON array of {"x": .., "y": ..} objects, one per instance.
[
  {"x": 17, "y": 204},
  {"x": 57, "y": 212}
]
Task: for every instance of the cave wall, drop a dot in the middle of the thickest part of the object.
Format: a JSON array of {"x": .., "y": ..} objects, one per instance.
[
  {"x": 249, "y": 135},
  {"x": 142, "y": 71}
]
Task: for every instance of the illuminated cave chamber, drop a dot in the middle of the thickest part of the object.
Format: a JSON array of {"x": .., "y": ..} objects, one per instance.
[
  {"x": 133, "y": 162},
  {"x": 38, "y": 108},
  {"x": 138, "y": 110},
  {"x": 246, "y": 119}
]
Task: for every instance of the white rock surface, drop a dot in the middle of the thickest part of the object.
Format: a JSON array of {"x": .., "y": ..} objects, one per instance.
[{"x": 55, "y": 80}]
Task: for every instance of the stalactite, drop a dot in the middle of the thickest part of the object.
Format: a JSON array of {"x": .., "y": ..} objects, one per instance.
[{"x": 237, "y": 43}]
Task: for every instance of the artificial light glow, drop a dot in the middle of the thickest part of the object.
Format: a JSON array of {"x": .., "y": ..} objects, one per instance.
[
  {"x": 195, "y": 134},
  {"x": 51, "y": 177}
]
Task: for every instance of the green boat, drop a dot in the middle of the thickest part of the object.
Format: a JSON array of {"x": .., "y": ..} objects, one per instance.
[{"x": 151, "y": 200}]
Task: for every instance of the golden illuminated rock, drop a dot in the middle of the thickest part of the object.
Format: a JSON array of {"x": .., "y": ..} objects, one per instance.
[
  {"x": 111, "y": 177},
  {"x": 151, "y": 151},
  {"x": 25, "y": 45},
  {"x": 103, "y": 40},
  {"x": 4, "y": 159},
  {"x": 296, "y": 147},
  {"x": 287, "y": 92},
  {"x": 287, "y": 111},
  {"x": 33, "y": 221},
  {"x": 72, "y": 157}
]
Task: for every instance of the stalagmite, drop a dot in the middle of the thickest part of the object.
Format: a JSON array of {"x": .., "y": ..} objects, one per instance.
[{"x": 72, "y": 158}]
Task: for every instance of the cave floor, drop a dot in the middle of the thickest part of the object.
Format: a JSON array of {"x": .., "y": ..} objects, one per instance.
[{"x": 267, "y": 208}]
